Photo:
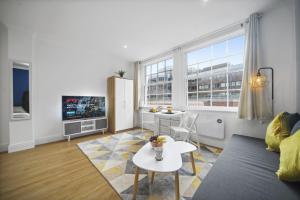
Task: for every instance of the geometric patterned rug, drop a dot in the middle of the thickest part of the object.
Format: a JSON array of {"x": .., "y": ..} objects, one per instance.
[{"x": 112, "y": 156}]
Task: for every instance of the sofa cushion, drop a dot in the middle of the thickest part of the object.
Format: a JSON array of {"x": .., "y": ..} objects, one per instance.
[
  {"x": 277, "y": 130},
  {"x": 289, "y": 169},
  {"x": 296, "y": 127},
  {"x": 246, "y": 170},
  {"x": 292, "y": 119}
]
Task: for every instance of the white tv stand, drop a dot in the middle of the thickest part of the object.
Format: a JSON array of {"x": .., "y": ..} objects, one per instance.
[{"x": 82, "y": 126}]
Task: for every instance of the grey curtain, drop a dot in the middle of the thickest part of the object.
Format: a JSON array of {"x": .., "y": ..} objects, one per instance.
[{"x": 254, "y": 103}]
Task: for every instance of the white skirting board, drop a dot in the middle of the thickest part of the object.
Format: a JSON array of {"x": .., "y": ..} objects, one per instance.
[
  {"x": 48, "y": 139},
  {"x": 3, "y": 147},
  {"x": 20, "y": 146}
]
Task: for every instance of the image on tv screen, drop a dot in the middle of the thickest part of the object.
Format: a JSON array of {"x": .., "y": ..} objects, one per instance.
[{"x": 78, "y": 107}]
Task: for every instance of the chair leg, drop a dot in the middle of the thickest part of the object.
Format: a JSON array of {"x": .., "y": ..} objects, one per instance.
[{"x": 198, "y": 142}]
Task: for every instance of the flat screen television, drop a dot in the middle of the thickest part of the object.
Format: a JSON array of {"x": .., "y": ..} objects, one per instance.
[{"x": 80, "y": 107}]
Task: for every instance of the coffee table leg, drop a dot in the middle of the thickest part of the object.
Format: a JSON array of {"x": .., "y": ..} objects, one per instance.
[
  {"x": 152, "y": 177},
  {"x": 193, "y": 163},
  {"x": 177, "y": 194},
  {"x": 136, "y": 182}
]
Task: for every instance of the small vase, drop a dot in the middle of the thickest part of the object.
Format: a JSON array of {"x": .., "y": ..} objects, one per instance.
[{"x": 158, "y": 153}]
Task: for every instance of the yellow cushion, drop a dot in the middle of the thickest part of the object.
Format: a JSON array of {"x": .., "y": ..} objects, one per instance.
[
  {"x": 289, "y": 169},
  {"x": 277, "y": 130}
]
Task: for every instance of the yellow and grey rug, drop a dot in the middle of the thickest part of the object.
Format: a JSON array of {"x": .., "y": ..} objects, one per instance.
[{"x": 112, "y": 156}]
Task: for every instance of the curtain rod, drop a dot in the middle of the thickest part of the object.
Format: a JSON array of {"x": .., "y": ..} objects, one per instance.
[{"x": 228, "y": 28}]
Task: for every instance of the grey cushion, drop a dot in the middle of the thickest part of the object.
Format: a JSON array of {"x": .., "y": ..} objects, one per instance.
[
  {"x": 296, "y": 127},
  {"x": 245, "y": 170},
  {"x": 291, "y": 119}
]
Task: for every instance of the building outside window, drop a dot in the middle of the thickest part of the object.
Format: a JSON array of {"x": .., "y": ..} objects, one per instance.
[
  {"x": 214, "y": 74},
  {"x": 158, "y": 82}
]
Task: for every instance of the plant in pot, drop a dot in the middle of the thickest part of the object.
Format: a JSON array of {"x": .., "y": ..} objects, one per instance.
[
  {"x": 157, "y": 145},
  {"x": 121, "y": 73}
]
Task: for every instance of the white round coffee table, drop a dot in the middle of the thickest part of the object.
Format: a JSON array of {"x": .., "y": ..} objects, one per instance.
[{"x": 172, "y": 161}]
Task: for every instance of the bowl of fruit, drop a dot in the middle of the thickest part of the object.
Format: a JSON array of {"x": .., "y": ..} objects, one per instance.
[{"x": 157, "y": 141}]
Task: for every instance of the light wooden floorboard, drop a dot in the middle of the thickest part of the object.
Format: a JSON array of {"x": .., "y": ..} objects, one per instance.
[{"x": 52, "y": 171}]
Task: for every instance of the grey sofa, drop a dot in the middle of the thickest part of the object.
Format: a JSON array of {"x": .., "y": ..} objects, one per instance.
[{"x": 245, "y": 170}]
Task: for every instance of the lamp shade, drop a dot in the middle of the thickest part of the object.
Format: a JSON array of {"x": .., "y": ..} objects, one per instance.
[{"x": 258, "y": 81}]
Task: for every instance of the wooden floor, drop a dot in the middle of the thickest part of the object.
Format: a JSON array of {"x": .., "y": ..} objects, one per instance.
[{"x": 52, "y": 171}]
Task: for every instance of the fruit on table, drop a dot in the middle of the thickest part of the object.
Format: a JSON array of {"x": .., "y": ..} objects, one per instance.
[
  {"x": 157, "y": 140},
  {"x": 153, "y": 109}
]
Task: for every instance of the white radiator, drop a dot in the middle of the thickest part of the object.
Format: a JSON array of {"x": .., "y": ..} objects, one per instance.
[{"x": 212, "y": 127}]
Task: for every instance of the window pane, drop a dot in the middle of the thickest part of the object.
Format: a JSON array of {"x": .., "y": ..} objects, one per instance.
[
  {"x": 192, "y": 99},
  {"x": 154, "y": 69},
  {"x": 236, "y": 62},
  {"x": 204, "y": 68},
  {"x": 198, "y": 56},
  {"x": 153, "y": 78},
  {"x": 160, "y": 89},
  {"x": 216, "y": 69},
  {"x": 234, "y": 96},
  {"x": 153, "y": 99},
  {"x": 152, "y": 89},
  {"x": 235, "y": 72},
  {"x": 204, "y": 76},
  {"x": 192, "y": 85},
  {"x": 161, "y": 77},
  {"x": 148, "y": 99},
  {"x": 219, "y": 98},
  {"x": 169, "y": 64},
  {"x": 192, "y": 71},
  {"x": 236, "y": 45},
  {"x": 204, "y": 98},
  {"x": 219, "y": 50},
  {"x": 161, "y": 66},
  {"x": 169, "y": 76},
  {"x": 167, "y": 99},
  {"x": 219, "y": 80},
  {"x": 168, "y": 88},
  {"x": 219, "y": 77},
  {"x": 159, "y": 92},
  {"x": 204, "y": 83},
  {"x": 160, "y": 100}
]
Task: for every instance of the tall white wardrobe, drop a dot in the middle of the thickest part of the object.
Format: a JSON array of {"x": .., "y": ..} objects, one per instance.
[{"x": 120, "y": 101}]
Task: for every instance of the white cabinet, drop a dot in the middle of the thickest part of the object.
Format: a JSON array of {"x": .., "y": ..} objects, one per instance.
[{"x": 120, "y": 96}]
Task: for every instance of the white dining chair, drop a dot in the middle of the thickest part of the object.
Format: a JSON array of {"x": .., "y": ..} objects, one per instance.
[{"x": 186, "y": 128}]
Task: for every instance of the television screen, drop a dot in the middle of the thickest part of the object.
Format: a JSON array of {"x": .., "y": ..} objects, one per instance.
[{"x": 78, "y": 107}]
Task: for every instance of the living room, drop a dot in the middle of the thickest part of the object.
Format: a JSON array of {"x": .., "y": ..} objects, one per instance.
[{"x": 88, "y": 86}]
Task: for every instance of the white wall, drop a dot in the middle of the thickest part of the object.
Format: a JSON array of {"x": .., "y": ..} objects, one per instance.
[
  {"x": 65, "y": 70},
  {"x": 297, "y": 30},
  {"x": 279, "y": 52},
  {"x": 4, "y": 85},
  {"x": 57, "y": 69}
]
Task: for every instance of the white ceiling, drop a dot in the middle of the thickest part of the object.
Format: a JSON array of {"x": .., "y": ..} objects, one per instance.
[{"x": 147, "y": 27}]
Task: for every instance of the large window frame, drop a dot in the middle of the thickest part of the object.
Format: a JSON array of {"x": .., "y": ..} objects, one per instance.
[
  {"x": 158, "y": 83},
  {"x": 206, "y": 90}
]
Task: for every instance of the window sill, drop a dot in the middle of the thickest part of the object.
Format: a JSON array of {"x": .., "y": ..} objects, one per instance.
[
  {"x": 214, "y": 109},
  {"x": 210, "y": 109}
]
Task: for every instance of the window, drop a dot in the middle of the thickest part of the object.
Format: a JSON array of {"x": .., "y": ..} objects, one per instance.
[
  {"x": 214, "y": 74},
  {"x": 158, "y": 82}
]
